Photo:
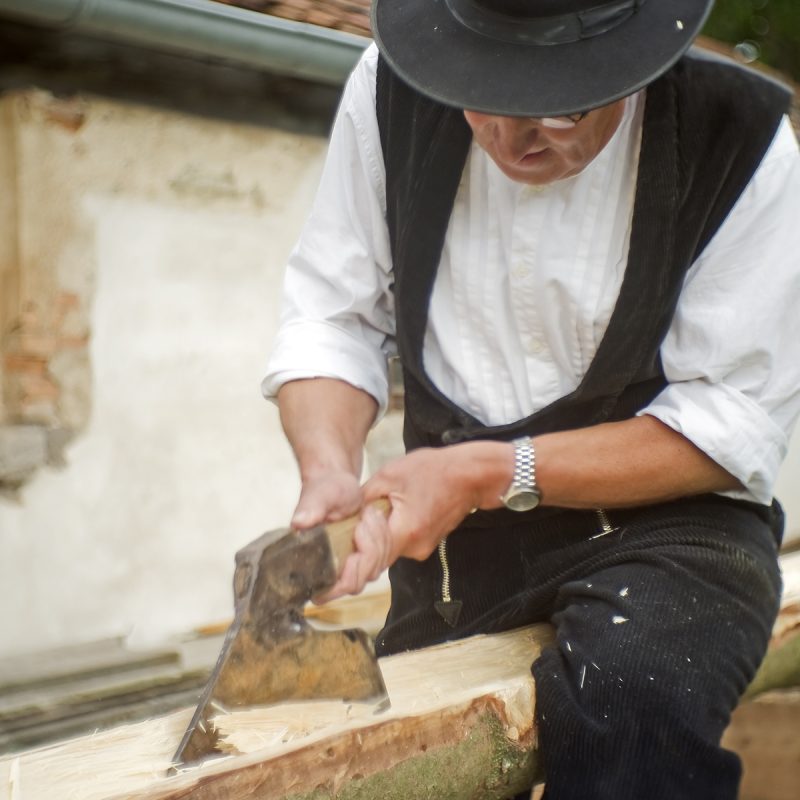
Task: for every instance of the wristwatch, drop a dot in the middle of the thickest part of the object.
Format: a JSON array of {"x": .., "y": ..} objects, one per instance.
[{"x": 523, "y": 494}]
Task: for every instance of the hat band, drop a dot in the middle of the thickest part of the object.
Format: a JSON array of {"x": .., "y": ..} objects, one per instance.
[{"x": 561, "y": 29}]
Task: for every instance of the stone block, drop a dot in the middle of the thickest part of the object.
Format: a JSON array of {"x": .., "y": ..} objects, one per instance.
[{"x": 23, "y": 448}]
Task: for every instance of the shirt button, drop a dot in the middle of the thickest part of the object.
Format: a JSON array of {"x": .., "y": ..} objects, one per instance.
[
  {"x": 520, "y": 271},
  {"x": 532, "y": 189},
  {"x": 534, "y": 345}
]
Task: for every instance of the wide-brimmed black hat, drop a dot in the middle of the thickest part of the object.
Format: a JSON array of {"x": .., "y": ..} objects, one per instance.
[{"x": 533, "y": 57}]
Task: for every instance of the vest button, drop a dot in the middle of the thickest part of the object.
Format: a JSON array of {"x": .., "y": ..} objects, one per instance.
[{"x": 453, "y": 436}]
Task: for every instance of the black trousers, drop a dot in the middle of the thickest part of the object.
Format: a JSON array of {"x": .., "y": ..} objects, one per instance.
[{"x": 660, "y": 626}]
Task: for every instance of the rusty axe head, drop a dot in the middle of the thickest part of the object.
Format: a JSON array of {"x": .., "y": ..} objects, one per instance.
[{"x": 270, "y": 652}]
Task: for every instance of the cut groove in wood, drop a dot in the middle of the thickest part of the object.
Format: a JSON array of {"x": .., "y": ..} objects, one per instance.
[
  {"x": 461, "y": 727},
  {"x": 461, "y": 716}
]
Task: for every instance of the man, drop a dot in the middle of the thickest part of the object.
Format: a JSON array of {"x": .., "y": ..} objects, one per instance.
[{"x": 583, "y": 244}]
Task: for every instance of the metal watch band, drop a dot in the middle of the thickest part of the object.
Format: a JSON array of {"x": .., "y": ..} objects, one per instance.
[
  {"x": 523, "y": 494},
  {"x": 524, "y": 464}
]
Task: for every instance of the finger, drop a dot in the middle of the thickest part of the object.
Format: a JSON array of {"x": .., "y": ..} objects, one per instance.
[
  {"x": 372, "y": 540},
  {"x": 348, "y": 582},
  {"x": 352, "y": 580},
  {"x": 380, "y": 521},
  {"x": 377, "y": 487},
  {"x": 368, "y": 551},
  {"x": 412, "y": 536}
]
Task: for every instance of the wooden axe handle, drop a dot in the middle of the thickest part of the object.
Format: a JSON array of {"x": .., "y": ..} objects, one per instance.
[{"x": 340, "y": 533}]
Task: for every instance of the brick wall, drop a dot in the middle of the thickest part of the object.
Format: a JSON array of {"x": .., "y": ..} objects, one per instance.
[
  {"x": 44, "y": 332},
  {"x": 40, "y": 346}
]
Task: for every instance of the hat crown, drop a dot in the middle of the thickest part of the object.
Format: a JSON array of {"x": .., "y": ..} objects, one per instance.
[
  {"x": 542, "y": 22},
  {"x": 533, "y": 58},
  {"x": 541, "y": 8}
]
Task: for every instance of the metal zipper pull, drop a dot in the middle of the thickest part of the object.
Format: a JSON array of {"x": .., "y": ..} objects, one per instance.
[
  {"x": 448, "y": 609},
  {"x": 605, "y": 524}
]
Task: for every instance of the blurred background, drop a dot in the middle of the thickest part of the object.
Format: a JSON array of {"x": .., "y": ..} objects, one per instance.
[
  {"x": 764, "y": 31},
  {"x": 157, "y": 159}
]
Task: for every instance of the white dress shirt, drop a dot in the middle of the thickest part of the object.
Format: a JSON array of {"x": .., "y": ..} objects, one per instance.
[{"x": 527, "y": 283}]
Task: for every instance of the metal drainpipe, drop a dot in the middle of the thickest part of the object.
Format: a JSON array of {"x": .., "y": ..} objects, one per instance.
[{"x": 204, "y": 28}]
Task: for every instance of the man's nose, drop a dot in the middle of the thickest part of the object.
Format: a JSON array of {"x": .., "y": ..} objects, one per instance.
[
  {"x": 510, "y": 137},
  {"x": 515, "y": 135}
]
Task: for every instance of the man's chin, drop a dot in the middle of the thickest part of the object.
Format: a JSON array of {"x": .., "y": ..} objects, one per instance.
[
  {"x": 533, "y": 176},
  {"x": 535, "y": 169}
]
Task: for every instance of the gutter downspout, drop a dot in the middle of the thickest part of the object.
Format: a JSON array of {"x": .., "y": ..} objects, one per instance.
[{"x": 204, "y": 28}]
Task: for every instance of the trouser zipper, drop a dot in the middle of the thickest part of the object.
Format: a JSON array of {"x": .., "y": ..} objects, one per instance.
[
  {"x": 605, "y": 524},
  {"x": 445, "y": 572},
  {"x": 448, "y": 609}
]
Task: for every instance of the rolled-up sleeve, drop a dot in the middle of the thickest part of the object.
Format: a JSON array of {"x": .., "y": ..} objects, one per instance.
[
  {"x": 732, "y": 354},
  {"x": 337, "y": 316}
]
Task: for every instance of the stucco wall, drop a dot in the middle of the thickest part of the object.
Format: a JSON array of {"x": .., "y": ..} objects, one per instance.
[
  {"x": 787, "y": 490},
  {"x": 149, "y": 250}
]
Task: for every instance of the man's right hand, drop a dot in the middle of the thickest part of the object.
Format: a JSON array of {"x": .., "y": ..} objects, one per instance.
[
  {"x": 326, "y": 422},
  {"x": 327, "y": 497}
]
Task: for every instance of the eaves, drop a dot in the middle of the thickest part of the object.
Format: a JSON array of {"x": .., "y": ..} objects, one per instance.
[{"x": 205, "y": 29}]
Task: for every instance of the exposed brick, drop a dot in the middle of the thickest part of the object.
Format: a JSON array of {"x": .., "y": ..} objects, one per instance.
[
  {"x": 65, "y": 303},
  {"x": 29, "y": 317},
  {"x": 38, "y": 358},
  {"x": 68, "y": 113},
  {"x": 72, "y": 342},
  {"x": 35, "y": 388},
  {"x": 23, "y": 363},
  {"x": 36, "y": 343}
]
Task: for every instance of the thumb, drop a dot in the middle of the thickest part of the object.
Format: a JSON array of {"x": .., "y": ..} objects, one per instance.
[
  {"x": 376, "y": 488},
  {"x": 308, "y": 512}
]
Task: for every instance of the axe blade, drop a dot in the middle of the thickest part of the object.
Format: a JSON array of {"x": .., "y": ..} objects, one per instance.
[{"x": 270, "y": 653}]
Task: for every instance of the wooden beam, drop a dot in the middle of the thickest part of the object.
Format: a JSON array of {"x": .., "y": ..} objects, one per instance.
[
  {"x": 781, "y": 667},
  {"x": 764, "y": 734},
  {"x": 461, "y": 721},
  {"x": 461, "y": 725}
]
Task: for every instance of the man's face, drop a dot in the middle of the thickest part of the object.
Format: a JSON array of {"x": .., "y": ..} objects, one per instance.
[{"x": 528, "y": 152}]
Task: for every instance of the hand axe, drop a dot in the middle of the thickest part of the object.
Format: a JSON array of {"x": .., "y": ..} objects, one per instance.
[{"x": 270, "y": 653}]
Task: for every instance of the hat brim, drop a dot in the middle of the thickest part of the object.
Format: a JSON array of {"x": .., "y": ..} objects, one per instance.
[{"x": 433, "y": 52}]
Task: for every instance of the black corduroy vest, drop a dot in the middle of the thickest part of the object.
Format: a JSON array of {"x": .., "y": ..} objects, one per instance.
[{"x": 707, "y": 126}]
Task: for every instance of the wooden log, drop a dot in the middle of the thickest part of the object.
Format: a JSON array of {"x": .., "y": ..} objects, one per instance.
[
  {"x": 781, "y": 667},
  {"x": 461, "y": 726},
  {"x": 764, "y": 733}
]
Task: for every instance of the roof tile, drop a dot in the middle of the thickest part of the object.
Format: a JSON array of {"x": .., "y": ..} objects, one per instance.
[{"x": 351, "y": 16}]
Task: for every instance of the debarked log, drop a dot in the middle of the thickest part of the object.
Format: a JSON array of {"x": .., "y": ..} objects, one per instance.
[{"x": 460, "y": 727}]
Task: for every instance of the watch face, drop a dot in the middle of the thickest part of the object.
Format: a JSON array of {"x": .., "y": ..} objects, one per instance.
[{"x": 523, "y": 500}]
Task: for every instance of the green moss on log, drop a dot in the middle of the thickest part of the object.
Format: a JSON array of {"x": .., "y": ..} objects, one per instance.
[
  {"x": 486, "y": 765},
  {"x": 780, "y": 670}
]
